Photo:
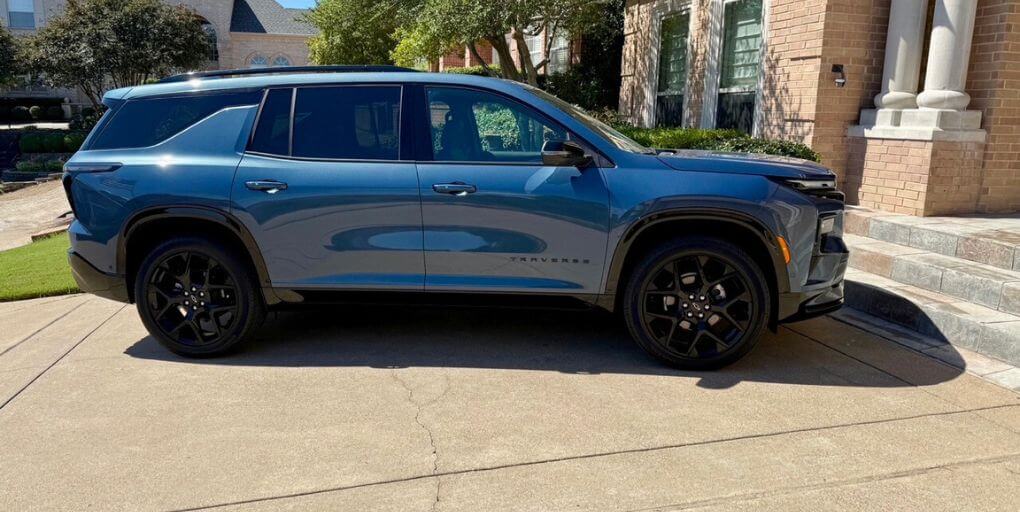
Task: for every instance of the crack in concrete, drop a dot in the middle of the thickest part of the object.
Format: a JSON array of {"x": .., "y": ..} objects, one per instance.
[
  {"x": 420, "y": 407},
  {"x": 586, "y": 456}
]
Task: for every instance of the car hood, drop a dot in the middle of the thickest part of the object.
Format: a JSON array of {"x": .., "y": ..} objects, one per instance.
[{"x": 744, "y": 163}]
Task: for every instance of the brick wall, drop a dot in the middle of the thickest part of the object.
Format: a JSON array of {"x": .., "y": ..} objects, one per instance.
[
  {"x": 243, "y": 45},
  {"x": 994, "y": 84},
  {"x": 854, "y": 36},
  {"x": 914, "y": 177},
  {"x": 792, "y": 63}
]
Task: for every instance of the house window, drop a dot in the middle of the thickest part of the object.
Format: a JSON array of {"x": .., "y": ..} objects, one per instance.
[
  {"x": 210, "y": 36},
  {"x": 741, "y": 61},
  {"x": 258, "y": 61},
  {"x": 535, "y": 44},
  {"x": 559, "y": 53},
  {"x": 21, "y": 13},
  {"x": 669, "y": 100},
  {"x": 281, "y": 61}
]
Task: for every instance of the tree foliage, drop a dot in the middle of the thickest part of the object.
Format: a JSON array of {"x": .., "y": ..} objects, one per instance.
[
  {"x": 96, "y": 43},
  {"x": 353, "y": 31},
  {"x": 409, "y": 32},
  {"x": 9, "y": 56}
]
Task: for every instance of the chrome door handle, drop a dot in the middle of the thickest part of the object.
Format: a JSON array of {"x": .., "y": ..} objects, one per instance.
[
  {"x": 455, "y": 189},
  {"x": 267, "y": 186}
]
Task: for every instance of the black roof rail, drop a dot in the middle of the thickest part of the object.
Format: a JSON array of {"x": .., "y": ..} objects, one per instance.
[{"x": 220, "y": 73}]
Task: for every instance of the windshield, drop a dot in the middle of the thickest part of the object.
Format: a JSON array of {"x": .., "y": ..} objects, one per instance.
[{"x": 607, "y": 132}]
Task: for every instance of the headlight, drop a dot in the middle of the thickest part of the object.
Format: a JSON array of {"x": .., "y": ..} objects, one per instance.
[
  {"x": 806, "y": 185},
  {"x": 826, "y": 225}
]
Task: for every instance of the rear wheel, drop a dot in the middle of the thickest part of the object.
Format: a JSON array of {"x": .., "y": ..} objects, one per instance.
[
  {"x": 697, "y": 303},
  {"x": 197, "y": 298}
]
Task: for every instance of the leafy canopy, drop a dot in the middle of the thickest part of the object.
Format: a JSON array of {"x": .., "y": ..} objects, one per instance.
[
  {"x": 409, "y": 32},
  {"x": 96, "y": 43},
  {"x": 9, "y": 57}
]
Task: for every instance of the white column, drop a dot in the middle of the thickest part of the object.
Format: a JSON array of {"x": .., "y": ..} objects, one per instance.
[
  {"x": 949, "y": 56},
  {"x": 904, "y": 49}
]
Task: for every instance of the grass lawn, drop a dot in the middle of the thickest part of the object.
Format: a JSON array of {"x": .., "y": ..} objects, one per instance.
[{"x": 38, "y": 269}]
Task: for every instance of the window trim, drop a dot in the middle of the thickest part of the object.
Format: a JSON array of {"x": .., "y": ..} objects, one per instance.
[
  {"x": 425, "y": 126},
  {"x": 660, "y": 11},
  {"x": 713, "y": 78},
  {"x": 293, "y": 104}
]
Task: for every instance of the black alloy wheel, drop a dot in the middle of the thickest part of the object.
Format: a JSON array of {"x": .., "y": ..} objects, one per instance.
[
  {"x": 697, "y": 303},
  {"x": 196, "y": 298}
]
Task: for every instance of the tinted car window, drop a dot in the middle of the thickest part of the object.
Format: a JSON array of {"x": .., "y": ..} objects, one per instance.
[
  {"x": 272, "y": 135},
  {"x": 347, "y": 122},
  {"x": 146, "y": 122},
  {"x": 474, "y": 126}
]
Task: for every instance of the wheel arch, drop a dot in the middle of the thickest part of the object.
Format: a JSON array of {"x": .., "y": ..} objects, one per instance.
[
  {"x": 149, "y": 227},
  {"x": 741, "y": 229}
]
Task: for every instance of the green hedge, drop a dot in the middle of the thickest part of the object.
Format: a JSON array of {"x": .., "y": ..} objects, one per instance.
[
  {"x": 473, "y": 70},
  {"x": 716, "y": 140},
  {"x": 50, "y": 141},
  {"x": 49, "y": 167}
]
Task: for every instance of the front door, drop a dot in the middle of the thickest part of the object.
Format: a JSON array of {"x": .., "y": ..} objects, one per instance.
[
  {"x": 325, "y": 193},
  {"x": 494, "y": 217}
]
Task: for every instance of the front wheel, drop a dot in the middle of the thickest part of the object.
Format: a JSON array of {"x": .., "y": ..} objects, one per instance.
[
  {"x": 697, "y": 303},
  {"x": 197, "y": 297}
]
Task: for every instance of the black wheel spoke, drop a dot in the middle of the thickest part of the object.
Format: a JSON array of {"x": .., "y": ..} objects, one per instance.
[
  {"x": 201, "y": 290},
  {"x": 706, "y": 301}
]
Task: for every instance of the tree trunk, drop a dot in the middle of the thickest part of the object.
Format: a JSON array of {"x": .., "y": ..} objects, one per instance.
[
  {"x": 525, "y": 53},
  {"x": 485, "y": 65},
  {"x": 506, "y": 59}
]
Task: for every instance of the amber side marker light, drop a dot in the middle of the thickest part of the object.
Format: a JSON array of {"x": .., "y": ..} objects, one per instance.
[{"x": 785, "y": 248}]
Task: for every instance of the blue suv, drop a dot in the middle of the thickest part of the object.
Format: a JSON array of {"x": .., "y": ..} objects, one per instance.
[{"x": 210, "y": 198}]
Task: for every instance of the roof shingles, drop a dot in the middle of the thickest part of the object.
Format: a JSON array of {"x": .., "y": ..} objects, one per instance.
[{"x": 268, "y": 17}]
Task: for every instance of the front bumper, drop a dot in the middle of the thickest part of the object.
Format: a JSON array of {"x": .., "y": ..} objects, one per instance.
[
  {"x": 94, "y": 281},
  {"x": 824, "y": 291}
]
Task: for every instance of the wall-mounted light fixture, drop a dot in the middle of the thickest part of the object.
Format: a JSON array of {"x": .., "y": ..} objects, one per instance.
[{"x": 841, "y": 79}]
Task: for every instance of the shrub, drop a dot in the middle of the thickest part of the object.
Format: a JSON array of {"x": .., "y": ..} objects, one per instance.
[
  {"x": 86, "y": 120},
  {"x": 54, "y": 113},
  {"x": 55, "y": 166},
  {"x": 771, "y": 147},
  {"x": 580, "y": 87},
  {"x": 31, "y": 143},
  {"x": 53, "y": 142},
  {"x": 679, "y": 138},
  {"x": 473, "y": 70},
  {"x": 715, "y": 140},
  {"x": 73, "y": 142},
  {"x": 36, "y": 112},
  {"x": 20, "y": 114},
  {"x": 30, "y": 166}
]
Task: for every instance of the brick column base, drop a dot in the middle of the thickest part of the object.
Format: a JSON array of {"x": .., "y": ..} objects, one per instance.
[{"x": 915, "y": 177}]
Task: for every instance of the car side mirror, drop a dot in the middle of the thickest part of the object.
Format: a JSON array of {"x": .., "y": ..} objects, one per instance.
[{"x": 564, "y": 153}]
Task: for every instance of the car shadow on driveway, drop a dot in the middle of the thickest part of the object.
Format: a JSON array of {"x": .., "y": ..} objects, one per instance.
[{"x": 566, "y": 341}]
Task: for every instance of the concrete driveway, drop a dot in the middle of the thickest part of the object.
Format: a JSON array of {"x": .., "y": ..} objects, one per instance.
[{"x": 459, "y": 409}]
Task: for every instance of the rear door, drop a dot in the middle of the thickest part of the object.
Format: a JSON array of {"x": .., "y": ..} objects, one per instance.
[{"x": 327, "y": 192}]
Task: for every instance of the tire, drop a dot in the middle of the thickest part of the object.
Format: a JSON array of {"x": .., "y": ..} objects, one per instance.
[
  {"x": 198, "y": 297},
  {"x": 724, "y": 320}
]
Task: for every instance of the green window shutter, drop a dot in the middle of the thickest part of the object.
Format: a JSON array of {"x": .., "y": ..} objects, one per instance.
[
  {"x": 742, "y": 34},
  {"x": 673, "y": 53}
]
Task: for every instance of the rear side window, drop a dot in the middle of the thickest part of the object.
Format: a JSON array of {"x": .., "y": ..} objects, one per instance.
[
  {"x": 272, "y": 135},
  {"x": 146, "y": 122},
  {"x": 347, "y": 122}
]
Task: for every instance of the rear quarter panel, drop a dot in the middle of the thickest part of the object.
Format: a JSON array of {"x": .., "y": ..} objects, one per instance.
[{"x": 195, "y": 167}]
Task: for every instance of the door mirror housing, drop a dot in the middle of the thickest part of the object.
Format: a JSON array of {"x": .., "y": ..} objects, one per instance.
[{"x": 564, "y": 153}]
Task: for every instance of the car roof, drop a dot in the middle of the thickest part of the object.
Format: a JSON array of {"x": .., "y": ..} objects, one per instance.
[{"x": 292, "y": 79}]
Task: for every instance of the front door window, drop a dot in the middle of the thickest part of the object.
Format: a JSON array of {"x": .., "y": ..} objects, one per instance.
[{"x": 741, "y": 61}]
